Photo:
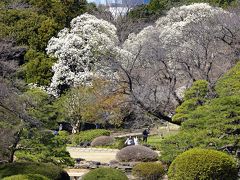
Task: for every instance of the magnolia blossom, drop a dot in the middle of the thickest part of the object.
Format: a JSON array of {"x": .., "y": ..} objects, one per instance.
[
  {"x": 189, "y": 43},
  {"x": 79, "y": 50}
]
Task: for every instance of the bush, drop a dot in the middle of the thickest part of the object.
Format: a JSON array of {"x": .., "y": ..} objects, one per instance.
[
  {"x": 148, "y": 170},
  {"x": 136, "y": 153},
  {"x": 49, "y": 170},
  {"x": 203, "y": 164},
  {"x": 88, "y": 135},
  {"x": 102, "y": 141},
  {"x": 105, "y": 174},
  {"x": 26, "y": 177}
]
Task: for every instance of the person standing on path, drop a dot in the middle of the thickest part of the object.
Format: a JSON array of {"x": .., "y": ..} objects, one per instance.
[{"x": 145, "y": 134}]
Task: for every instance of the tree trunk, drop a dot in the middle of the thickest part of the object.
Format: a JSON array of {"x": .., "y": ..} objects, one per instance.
[{"x": 13, "y": 148}]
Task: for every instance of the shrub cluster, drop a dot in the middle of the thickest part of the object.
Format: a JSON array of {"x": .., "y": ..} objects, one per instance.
[
  {"x": 136, "y": 153},
  {"x": 26, "y": 177},
  {"x": 203, "y": 164},
  {"x": 148, "y": 170},
  {"x": 88, "y": 135},
  {"x": 105, "y": 174},
  {"x": 25, "y": 168},
  {"x": 102, "y": 141}
]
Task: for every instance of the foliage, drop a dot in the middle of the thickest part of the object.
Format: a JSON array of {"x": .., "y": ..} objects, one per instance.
[
  {"x": 199, "y": 89},
  {"x": 203, "y": 164},
  {"x": 102, "y": 141},
  {"x": 148, "y": 170},
  {"x": 38, "y": 68},
  {"x": 194, "y": 96},
  {"x": 105, "y": 174},
  {"x": 48, "y": 170},
  {"x": 27, "y": 27},
  {"x": 26, "y": 177},
  {"x": 213, "y": 125},
  {"x": 42, "y": 107},
  {"x": 136, "y": 153},
  {"x": 43, "y": 146},
  {"x": 93, "y": 104},
  {"x": 229, "y": 84},
  {"x": 88, "y": 135}
]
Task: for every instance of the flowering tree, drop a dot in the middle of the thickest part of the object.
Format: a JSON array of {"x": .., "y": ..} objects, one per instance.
[
  {"x": 200, "y": 40},
  {"x": 189, "y": 43},
  {"x": 79, "y": 50}
]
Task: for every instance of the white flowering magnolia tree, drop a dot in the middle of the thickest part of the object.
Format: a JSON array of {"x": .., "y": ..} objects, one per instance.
[
  {"x": 191, "y": 42},
  {"x": 79, "y": 50}
]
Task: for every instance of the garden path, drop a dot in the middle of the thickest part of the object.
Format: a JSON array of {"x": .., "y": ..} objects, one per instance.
[{"x": 102, "y": 155}]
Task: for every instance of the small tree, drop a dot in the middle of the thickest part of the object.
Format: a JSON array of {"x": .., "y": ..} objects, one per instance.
[{"x": 94, "y": 104}]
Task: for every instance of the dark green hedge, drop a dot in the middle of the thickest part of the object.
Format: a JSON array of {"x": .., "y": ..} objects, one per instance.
[{"x": 203, "y": 164}]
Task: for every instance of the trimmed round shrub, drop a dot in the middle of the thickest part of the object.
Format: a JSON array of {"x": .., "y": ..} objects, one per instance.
[
  {"x": 105, "y": 174},
  {"x": 148, "y": 170},
  {"x": 24, "y": 168},
  {"x": 89, "y": 135},
  {"x": 203, "y": 164},
  {"x": 102, "y": 141},
  {"x": 136, "y": 153},
  {"x": 26, "y": 177}
]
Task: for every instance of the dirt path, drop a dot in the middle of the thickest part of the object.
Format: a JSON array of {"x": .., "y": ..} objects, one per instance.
[{"x": 93, "y": 154}]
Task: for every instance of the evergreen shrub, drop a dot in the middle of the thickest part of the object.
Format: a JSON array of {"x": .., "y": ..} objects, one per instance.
[
  {"x": 148, "y": 170},
  {"x": 24, "y": 168},
  {"x": 105, "y": 174},
  {"x": 203, "y": 164}
]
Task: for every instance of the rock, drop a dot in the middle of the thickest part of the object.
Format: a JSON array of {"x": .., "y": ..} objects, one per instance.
[
  {"x": 85, "y": 144},
  {"x": 78, "y": 160},
  {"x": 95, "y": 163},
  {"x": 125, "y": 168},
  {"x": 104, "y": 164}
]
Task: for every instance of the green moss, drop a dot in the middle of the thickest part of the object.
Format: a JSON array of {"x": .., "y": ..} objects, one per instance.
[
  {"x": 105, "y": 174},
  {"x": 203, "y": 164},
  {"x": 148, "y": 170}
]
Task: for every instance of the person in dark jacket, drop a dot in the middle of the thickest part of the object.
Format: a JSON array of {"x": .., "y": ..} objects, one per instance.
[{"x": 145, "y": 134}]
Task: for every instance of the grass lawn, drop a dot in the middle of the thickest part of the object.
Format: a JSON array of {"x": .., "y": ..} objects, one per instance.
[{"x": 160, "y": 133}]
